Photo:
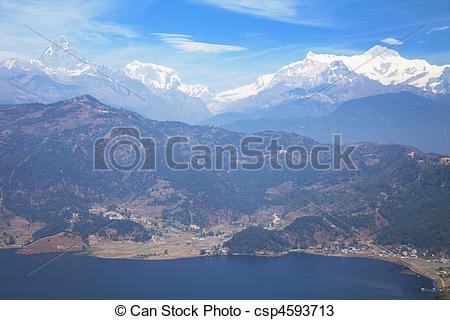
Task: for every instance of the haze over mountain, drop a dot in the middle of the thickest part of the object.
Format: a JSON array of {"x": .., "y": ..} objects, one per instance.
[{"x": 386, "y": 118}]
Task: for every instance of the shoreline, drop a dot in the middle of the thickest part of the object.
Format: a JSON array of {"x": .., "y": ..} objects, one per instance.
[
  {"x": 440, "y": 284},
  {"x": 409, "y": 263},
  {"x": 391, "y": 282}
]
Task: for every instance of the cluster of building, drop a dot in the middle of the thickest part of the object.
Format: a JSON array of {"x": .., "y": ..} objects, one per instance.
[
  {"x": 364, "y": 247},
  {"x": 109, "y": 214},
  {"x": 215, "y": 250},
  {"x": 342, "y": 248},
  {"x": 407, "y": 251}
]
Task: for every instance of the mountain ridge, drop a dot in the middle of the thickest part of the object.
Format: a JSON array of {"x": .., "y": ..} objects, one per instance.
[
  {"x": 377, "y": 70},
  {"x": 313, "y": 86},
  {"x": 402, "y": 117},
  {"x": 152, "y": 90},
  {"x": 47, "y": 177}
]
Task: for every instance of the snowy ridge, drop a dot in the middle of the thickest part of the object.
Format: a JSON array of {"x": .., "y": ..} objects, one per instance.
[
  {"x": 152, "y": 75},
  {"x": 196, "y": 90},
  {"x": 59, "y": 73},
  {"x": 56, "y": 60},
  {"x": 263, "y": 82},
  {"x": 159, "y": 77},
  {"x": 380, "y": 64}
]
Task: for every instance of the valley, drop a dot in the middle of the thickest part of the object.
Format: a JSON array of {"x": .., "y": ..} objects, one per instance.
[{"x": 52, "y": 200}]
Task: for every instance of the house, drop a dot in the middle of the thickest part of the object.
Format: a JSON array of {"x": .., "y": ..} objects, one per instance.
[
  {"x": 445, "y": 161},
  {"x": 113, "y": 215}
]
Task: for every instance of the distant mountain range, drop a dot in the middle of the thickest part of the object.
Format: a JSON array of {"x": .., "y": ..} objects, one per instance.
[
  {"x": 154, "y": 91},
  {"x": 387, "y": 118},
  {"x": 312, "y": 87},
  {"x": 375, "y": 96},
  {"x": 326, "y": 80}
]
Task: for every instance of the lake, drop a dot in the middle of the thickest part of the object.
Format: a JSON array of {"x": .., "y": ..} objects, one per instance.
[{"x": 295, "y": 276}]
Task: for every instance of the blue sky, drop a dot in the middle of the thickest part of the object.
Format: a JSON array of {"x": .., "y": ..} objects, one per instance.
[{"x": 224, "y": 43}]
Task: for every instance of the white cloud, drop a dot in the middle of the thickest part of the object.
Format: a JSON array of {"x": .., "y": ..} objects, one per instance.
[
  {"x": 274, "y": 9},
  {"x": 187, "y": 44},
  {"x": 437, "y": 29},
  {"x": 392, "y": 41},
  {"x": 81, "y": 21},
  {"x": 278, "y": 10}
]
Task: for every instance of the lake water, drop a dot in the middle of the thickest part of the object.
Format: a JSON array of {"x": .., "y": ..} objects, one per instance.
[{"x": 295, "y": 276}]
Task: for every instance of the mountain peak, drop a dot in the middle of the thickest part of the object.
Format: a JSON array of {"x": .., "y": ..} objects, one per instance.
[
  {"x": 320, "y": 57},
  {"x": 62, "y": 44},
  {"x": 153, "y": 75},
  {"x": 59, "y": 55},
  {"x": 139, "y": 65},
  {"x": 87, "y": 98},
  {"x": 378, "y": 50},
  {"x": 310, "y": 55}
]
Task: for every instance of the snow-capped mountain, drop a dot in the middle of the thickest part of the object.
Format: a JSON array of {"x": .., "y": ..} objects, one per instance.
[
  {"x": 54, "y": 61},
  {"x": 154, "y": 91},
  {"x": 313, "y": 86},
  {"x": 197, "y": 90},
  {"x": 163, "y": 78},
  {"x": 153, "y": 76},
  {"x": 389, "y": 68},
  {"x": 378, "y": 70}
]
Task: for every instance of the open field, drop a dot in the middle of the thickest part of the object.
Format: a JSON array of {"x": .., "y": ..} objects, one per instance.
[
  {"x": 17, "y": 229},
  {"x": 60, "y": 242},
  {"x": 174, "y": 245}
]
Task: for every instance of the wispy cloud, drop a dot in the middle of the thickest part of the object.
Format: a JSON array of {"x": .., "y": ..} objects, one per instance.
[
  {"x": 82, "y": 21},
  {"x": 438, "y": 29},
  {"x": 392, "y": 41},
  {"x": 185, "y": 43},
  {"x": 277, "y": 10},
  {"x": 273, "y": 9}
]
